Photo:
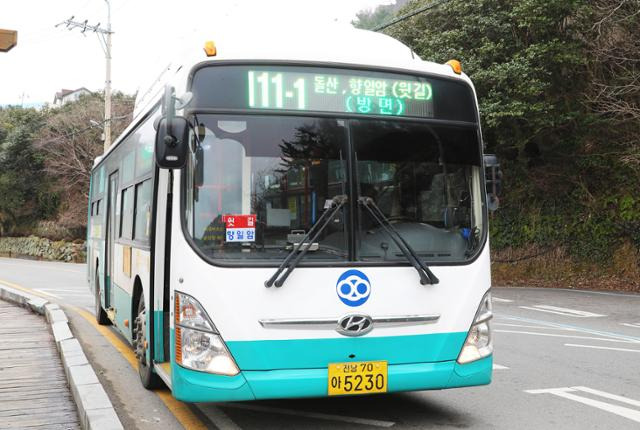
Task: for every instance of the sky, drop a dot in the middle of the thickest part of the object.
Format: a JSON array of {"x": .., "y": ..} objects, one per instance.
[{"x": 48, "y": 58}]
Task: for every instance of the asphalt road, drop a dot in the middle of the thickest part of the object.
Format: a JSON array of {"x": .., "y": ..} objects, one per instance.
[{"x": 564, "y": 359}]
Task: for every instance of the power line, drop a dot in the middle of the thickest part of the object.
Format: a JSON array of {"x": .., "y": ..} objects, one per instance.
[{"x": 409, "y": 15}]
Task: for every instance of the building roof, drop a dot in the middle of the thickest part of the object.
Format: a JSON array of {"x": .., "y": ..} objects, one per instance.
[{"x": 63, "y": 93}]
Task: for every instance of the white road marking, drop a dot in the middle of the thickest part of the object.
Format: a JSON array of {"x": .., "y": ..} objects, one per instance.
[
  {"x": 562, "y": 311},
  {"x": 565, "y": 392},
  {"x": 601, "y": 347},
  {"x": 499, "y": 300},
  {"x": 499, "y": 367},
  {"x": 565, "y": 335},
  {"x": 634, "y": 325},
  {"x": 615, "y": 397},
  {"x": 608, "y": 334},
  {"x": 48, "y": 266},
  {"x": 76, "y": 294},
  {"x": 533, "y": 326},
  {"x": 62, "y": 290},
  {"x": 319, "y": 416},
  {"x": 630, "y": 295},
  {"x": 46, "y": 294}
]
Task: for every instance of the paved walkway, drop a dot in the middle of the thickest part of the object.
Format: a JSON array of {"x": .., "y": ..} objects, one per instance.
[{"x": 33, "y": 387}]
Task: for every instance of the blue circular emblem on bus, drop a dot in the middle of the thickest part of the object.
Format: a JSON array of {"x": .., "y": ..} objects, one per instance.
[{"x": 353, "y": 288}]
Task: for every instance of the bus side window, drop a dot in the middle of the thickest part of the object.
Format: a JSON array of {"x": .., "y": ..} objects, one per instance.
[
  {"x": 95, "y": 208},
  {"x": 126, "y": 220},
  {"x": 142, "y": 218}
]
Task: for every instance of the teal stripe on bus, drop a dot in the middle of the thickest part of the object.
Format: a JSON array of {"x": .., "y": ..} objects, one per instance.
[
  {"x": 158, "y": 337},
  {"x": 192, "y": 386},
  {"x": 122, "y": 304},
  {"x": 317, "y": 353}
]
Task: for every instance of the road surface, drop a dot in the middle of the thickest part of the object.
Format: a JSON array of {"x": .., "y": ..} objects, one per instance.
[{"x": 563, "y": 359}]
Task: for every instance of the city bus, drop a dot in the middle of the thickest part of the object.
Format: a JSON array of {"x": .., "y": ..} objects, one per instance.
[{"x": 300, "y": 217}]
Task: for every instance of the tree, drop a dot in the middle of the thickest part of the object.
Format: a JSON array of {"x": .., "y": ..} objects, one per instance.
[
  {"x": 526, "y": 60},
  {"x": 557, "y": 84},
  {"x": 369, "y": 19},
  {"x": 614, "y": 70},
  {"x": 24, "y": 193},
  {"x": 71, "y": 140}
]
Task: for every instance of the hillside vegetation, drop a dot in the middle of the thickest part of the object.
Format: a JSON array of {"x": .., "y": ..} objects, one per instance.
[
  {"x": 45, "y": 159},
  {"x": 558, "y": 83}
]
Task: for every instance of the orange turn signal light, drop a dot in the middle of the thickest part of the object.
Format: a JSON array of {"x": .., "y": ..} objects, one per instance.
[
  {"x": 210, "y": 48},
  {"x": 177, "y": 330},
  {"x": 455, "y": 65}
]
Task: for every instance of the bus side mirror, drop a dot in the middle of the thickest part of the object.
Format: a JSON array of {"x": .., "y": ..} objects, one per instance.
[
  {"x": 171, "y": 143},
  {"x": 172, "y": 135},
  {"x": 493, "y": 181}
]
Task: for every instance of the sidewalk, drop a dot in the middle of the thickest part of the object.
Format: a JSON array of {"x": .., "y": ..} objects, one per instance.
[{"x": 33, "y": 387}]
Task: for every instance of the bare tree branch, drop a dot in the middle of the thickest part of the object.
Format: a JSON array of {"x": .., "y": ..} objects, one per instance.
[{"x": 71, "y": 143}]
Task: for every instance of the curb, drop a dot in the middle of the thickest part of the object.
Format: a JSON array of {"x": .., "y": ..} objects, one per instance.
[{"x": 94, "y": 407}]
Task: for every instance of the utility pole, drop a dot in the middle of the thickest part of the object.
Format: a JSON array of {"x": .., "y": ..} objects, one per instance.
[
  {"x": 104, "y": 36},
  {"x": 107, "y": 83}
]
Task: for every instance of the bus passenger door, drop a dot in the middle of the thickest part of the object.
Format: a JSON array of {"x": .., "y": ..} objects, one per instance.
[
  {"x": 161, "y": 254},
  {"x": 112, "y": 223}
]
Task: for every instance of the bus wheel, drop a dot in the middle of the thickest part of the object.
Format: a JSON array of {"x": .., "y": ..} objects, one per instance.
[
  {"x": 148, "y": 377},
  {"x": 101, "y": 315}
]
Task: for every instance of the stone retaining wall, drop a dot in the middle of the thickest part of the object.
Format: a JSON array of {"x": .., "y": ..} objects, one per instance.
[{"x": 41, "y": 248}]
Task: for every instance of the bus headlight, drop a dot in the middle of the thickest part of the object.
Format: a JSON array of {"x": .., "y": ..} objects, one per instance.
[
  {"x": 479, "y": 343},
  {"x": 198, "y": 343}
]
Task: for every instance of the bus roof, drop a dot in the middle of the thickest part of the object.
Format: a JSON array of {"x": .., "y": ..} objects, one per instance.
[{"x": 327, "y": 44}]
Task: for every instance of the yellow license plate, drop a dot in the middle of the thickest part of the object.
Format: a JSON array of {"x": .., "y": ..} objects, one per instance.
[{"x": 362, "y": 377}]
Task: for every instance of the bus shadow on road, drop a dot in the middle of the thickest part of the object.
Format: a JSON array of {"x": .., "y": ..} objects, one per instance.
[{"x": 382, "y": 410}]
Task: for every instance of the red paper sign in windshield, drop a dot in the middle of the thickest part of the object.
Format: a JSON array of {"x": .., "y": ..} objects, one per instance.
[{"x": 240, "y": 228}]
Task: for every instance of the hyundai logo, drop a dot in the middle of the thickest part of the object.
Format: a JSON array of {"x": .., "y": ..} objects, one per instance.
[{"x": 355, "y": 325}]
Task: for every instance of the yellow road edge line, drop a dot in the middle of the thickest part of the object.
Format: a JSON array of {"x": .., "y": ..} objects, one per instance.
[
  {"x": 118, "y": 344},
  {"x": 180, "y": 410},
  {"x": 27, "y": 290}
]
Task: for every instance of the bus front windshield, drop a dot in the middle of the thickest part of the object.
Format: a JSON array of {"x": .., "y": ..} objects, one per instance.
[{"x": 257, "y": 184}]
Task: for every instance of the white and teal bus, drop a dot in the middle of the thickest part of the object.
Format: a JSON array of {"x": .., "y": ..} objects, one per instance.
[{"x": 298, "y": 217}]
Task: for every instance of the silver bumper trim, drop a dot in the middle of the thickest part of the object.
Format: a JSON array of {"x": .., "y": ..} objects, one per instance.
[{"x": 331, "y": 323}]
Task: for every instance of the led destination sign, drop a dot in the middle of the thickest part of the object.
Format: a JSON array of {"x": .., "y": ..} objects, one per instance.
[{"x": 340, "y": 93}]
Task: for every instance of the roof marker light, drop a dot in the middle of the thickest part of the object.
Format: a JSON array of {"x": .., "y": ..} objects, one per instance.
[
  {"x": 210, "y": 48},
  {"x": 455, "y": 65}
]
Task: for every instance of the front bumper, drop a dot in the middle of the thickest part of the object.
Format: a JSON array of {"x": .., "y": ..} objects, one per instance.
[{"x": 193, "y": 386}]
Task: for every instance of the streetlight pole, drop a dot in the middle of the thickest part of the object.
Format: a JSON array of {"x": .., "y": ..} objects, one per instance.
[{"x": 107, "y": 84}]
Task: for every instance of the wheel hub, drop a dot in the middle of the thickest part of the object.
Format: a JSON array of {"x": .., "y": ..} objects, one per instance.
[{"x": 140, "y": 336}]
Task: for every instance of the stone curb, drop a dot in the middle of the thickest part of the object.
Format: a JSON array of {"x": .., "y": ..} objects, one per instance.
[{"x": 94, "y": 407}]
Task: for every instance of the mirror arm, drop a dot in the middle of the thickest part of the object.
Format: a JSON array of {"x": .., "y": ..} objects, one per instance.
[{"x": 170, "y": 114}]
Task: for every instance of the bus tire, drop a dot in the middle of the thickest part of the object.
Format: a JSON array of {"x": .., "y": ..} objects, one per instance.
[
  {"x": 148, "y": 377},
  {"x": 101, "y": 315}
]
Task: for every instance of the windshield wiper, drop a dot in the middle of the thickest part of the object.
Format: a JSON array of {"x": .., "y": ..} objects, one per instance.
[
  {"x": 426, "y": 275},
  {"x": 336, "y": 204}
]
